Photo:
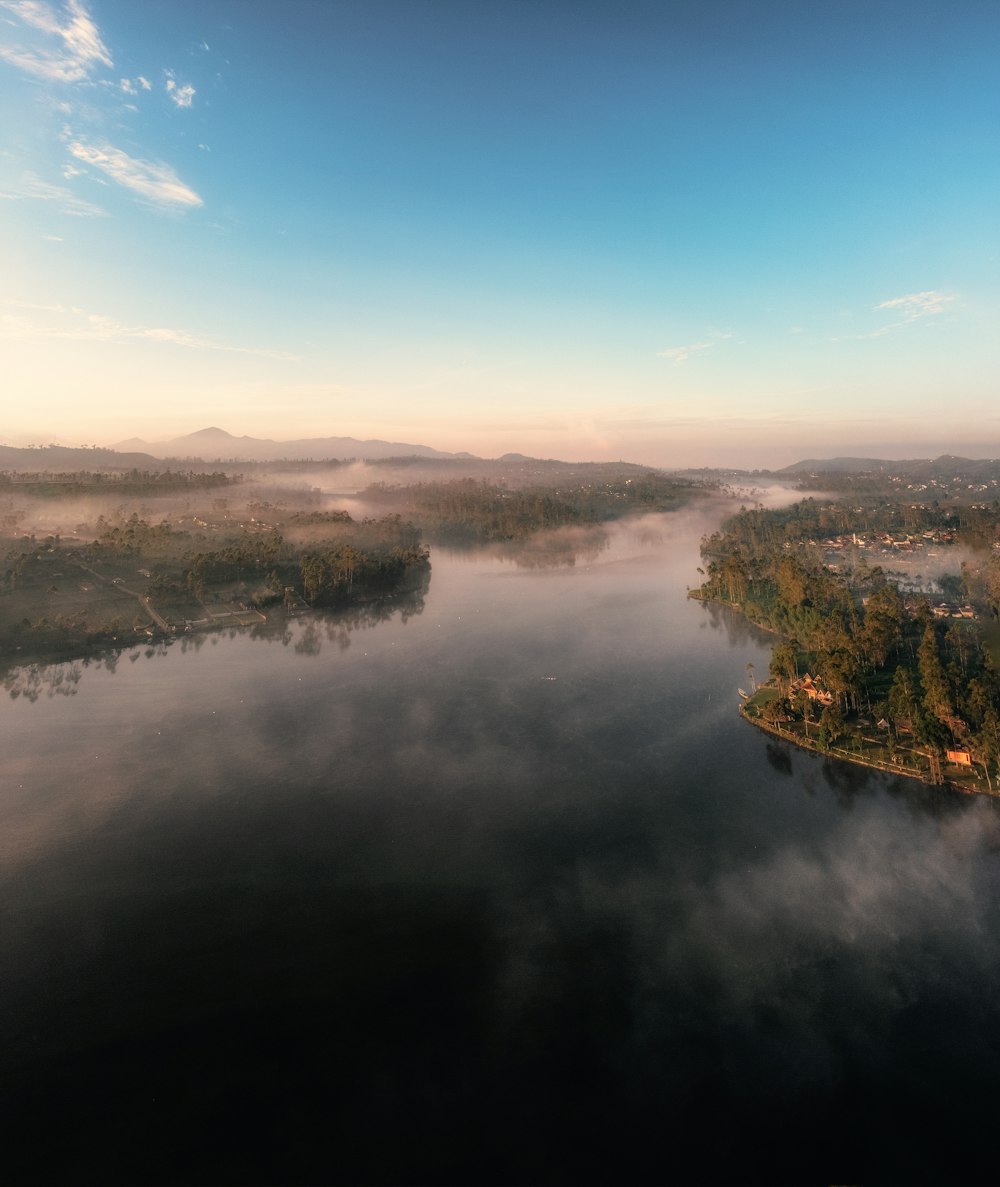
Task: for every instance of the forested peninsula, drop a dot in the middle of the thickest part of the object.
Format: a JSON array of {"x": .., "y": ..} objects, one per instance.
[{"x": 886, "y": 617}]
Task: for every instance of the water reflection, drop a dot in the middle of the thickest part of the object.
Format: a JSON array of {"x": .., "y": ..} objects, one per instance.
[
  {"x": 561, "y": 547},
  {"x": 736, "y": 626},
  {"x": 779, "y": 757},
  {"x": 848, "y": 780},
  {"x": 309, "y": 641},
  {"x": 307, "y": 629},
  {"x": 36, "y": 680}
]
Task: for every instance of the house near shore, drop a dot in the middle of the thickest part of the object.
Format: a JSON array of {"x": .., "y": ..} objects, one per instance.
[{"x": 813, "y": 689}]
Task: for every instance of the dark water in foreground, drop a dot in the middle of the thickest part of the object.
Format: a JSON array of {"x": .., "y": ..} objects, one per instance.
[{"x": 504, "y": 893}]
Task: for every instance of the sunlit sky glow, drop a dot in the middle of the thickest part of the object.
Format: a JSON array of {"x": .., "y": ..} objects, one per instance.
[{"x": 683, "y": 232}]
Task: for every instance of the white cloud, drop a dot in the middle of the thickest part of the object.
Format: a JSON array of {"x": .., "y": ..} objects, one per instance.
[
  {"x": 151, "y": 179},
  {"x": 33, "y": 188},
  {"x": 911, "y": 307},
  {"x": 182, "y": 96},
  {"x": 77, "y": 325},
  {"x": 144, "y": 83},
  {"x": 70, "y": 46},
  {"x": 679, "y": 355},
  {"x": 916, "y": 305},
  {"x": 128, "y": 86}
]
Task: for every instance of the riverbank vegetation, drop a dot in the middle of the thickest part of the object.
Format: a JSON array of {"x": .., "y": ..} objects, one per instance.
[
  {"x": 128, "y": 579},
  {"x": 874, "y": 655}
]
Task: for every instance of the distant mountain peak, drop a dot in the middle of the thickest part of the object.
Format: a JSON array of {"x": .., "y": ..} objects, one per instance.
[{"x": 212, "y": 431}]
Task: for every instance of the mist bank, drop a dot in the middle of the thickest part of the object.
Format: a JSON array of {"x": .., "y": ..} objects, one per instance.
[{"x": 93, "y": 562}]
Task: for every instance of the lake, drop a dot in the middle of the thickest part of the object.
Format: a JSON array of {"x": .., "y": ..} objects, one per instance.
[{"x": 499, "y": 889}]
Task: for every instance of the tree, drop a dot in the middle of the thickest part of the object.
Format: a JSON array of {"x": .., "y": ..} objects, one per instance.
[
  {"x": 831, "y": 725},
  {"x": 804, "y": 706},
  {"x": 902, "y": 694},
  {"x": 882, "y": 632},
  {"x": 937, "y": 694},
  {"x": 842, "y": 675},
  {"x": 775, "y": 710},
  {"x": 784, "y": 665}
]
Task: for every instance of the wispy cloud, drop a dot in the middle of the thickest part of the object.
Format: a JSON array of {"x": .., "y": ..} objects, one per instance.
[
  {"x": 151, "y": 179},
  {"x": 59, "y": 42},
  {"x": 679, "y": 355},
  {"x": 69, "y": 48},
  {"x": 132, "y": 86},
  {"x": 909, "y": 308},
  {"x": 917, "y": 305},
  {"x": 65, "y": 200},
  {"x": 182, "y": 96},
  {"x": 73, "y": 324}
]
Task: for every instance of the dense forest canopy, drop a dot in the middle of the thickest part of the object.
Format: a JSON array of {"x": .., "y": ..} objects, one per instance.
[
  {"x": 820, "y": 575},
  {"x": 474, "y": 510}
]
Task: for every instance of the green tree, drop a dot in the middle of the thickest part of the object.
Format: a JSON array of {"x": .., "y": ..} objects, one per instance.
[
  {"x": 903, "y": 694},
  {"x": 783, "y": 666},
  {"x": 937, "y": 693},
  {"x": 831, "y": 725}
]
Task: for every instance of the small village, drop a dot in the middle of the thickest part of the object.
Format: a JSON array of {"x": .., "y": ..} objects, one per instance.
[{"x": 878, "y": 543}]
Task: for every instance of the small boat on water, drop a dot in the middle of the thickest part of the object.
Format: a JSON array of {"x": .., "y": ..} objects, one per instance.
[{"x": 744, "y": 695}]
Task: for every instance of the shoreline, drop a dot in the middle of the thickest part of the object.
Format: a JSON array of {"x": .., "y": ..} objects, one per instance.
[{"x": 850, "y": 756}]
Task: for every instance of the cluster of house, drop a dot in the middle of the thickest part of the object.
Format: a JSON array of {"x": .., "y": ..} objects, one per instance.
[
  {"x": 958, "y": 484},
  {"x": 814, "y": 688},
  {"x": 880, "y": 542},
  {"x": 952, "y": 610}
]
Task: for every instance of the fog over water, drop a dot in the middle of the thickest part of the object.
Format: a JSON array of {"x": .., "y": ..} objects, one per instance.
[{"x": 498, "y": 889}]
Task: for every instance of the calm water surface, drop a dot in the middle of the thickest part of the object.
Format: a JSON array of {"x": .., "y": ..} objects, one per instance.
[{"x": 498, "y": 890}]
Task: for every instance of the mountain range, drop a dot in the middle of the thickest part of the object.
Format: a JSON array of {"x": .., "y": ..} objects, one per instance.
[
  {"x": 214, "y": 444},
  {"x": 947, "y": 464}
]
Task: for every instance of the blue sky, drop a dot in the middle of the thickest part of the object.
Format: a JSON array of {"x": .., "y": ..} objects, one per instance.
[{"x": 721, "y": 232}]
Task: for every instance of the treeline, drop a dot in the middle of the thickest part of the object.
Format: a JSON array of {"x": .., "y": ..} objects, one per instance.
[
  {"x": 812, "y": 519},
  {"x": 366, "y": 533},
  {"x": 471, "y": 511},
  {"x": 139, "y": 538},
  {"x": 139, "y": 482},
  {"x": 348, "y": 561},
  {"x": 932, "y": 679}
]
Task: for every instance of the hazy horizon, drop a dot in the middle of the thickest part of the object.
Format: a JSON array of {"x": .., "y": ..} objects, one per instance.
[
  {"x": 724, "y": 457},
  {"x": 695, "y": 234}
]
